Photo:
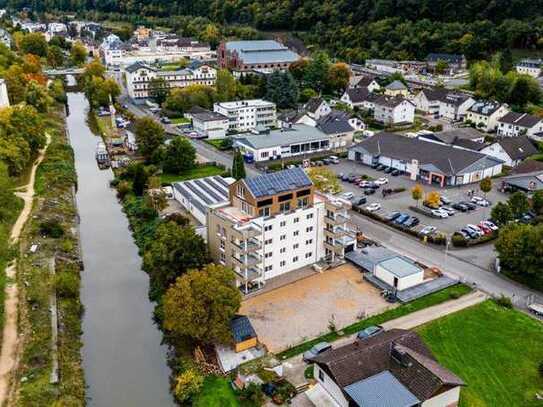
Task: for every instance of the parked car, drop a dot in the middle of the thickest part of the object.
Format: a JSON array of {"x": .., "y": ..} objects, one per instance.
[
  {"x": 370, "y": 331},
  {"x": 369, "y": 191},
  {"x": 380, "y": 167},
  {"x": 388, "y": 170},
  {"x": 359, "y": 200},
  {"x": 392, "y": 215},
  {"x": 374, "y": 166},
  {"x": 340, "y": 175},
  {"x": 463, "y": 234},
  {"x": 460, "y": 207},
  {"x": 411, "y": 222},
  {"x": 450, "y": 211},
  {"x": 381, "y": 181},
  {"x": 364, "y": 184},
  {"x": 480, "y": 201},
  {"x": 536, "y": 309},
  {"x": 444, "y": 200},
  {"x": 438, "y": 213},
  {"x": 486, "y": 230},
  {"x": 469, "y": 205},
  {"x": 345, "y": 177},
  {"x": 351, "y": 178},
  {"x": 395, "y": 173},
  {"x": 475, "y": 229},
  {"x": 373, "y": 207},
  {"x": 470, "y": 233},
  {"x": 333, "y": 159},
  {"x": 347, "y": 195},
  {"x": 490, "y": 225},
  {"x": 326, "y": 161},
  {"x": 401, "y": 219},
  {"x": 316, "y": 350},
  {"x": 427, "y": 230}
]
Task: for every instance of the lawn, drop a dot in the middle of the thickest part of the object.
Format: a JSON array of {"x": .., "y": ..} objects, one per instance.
[
  {"x": 495, "y": 350},
  {"x": 216, "y": 392},
  {"x": 198, "y": 172},
  {"x": 447, "y": 294},
  {"x": 180, "y": 120}
]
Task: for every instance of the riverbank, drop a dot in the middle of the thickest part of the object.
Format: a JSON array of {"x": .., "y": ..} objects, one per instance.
[{"x": 49, "y": 364}]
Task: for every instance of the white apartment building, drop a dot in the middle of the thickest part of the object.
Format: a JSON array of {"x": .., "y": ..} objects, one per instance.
[
  {"x": 273, "y": 224},
  {"x": 4, "y": 99},
  {"x": 394, "y": 110},
  {"x": 485, "y": 114},
  {"x": 208, "y": 124},
  {"x": 441, "y": 102},
  {"x": 140, "y": 75},
  {"x": 245, "y": 115}
]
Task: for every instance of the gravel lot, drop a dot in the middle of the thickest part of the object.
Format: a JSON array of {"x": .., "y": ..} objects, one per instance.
[
  {"x": 401, "y": 201},
  {"x": 302, "y": 310}
]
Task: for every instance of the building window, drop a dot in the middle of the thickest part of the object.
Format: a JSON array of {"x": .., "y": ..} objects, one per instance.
[
  {"x": 295, "y": 259},
  {"x": 282, "y": 250},
  {"x": 295, "y": 246},
  {"x": 296, "y": 220},
  {"x": 282, "y": 263},
  {"x": 283, "y": 223},
  {"x": 268, "y": 255},
  {"x": 296, "y": 232},
  {"x": 284, "y": 207},
  {"x": 321, "y": 375},
  {"x": 222, "y": 258},
  {"x": 303, "y": 202},
  {"x": 268, "y": 268},
  {"x": 309, "y": 229},
  {"x": 309, "y": 241},
  {"x": 222, "y": 244},
  {"x": 240, "y": 190},
  {"x": 264, "y": 212},
  {"x": 267, "y": 228},
  {"x": 268, "y": 241},
  {"x": 309, "y": 216},
  {"x": 282, "y": 237},
  {"x": 308, "y": 255}
]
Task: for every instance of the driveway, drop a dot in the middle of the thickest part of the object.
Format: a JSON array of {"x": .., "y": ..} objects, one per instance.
[{"x": 304, "y": 309}]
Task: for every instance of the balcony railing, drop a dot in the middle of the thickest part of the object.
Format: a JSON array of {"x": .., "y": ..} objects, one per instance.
[
  {"x": 337, "y": 218},
  {"x": 249, "y": 245},
  {"x": 247, "y": 260}
]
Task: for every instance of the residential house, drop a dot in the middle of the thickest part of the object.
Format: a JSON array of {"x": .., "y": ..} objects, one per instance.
[
  {"x": 4, "y": 99},
  {"x": 5, "y": 38},
  {"x": 359, "y": 97},
  {"x": 396, "y": 88},
  {"x": 511, "y": 150},
  {"x": 393, "y": 110},
  {"x": 297, "y": 140},
  {"x": 316, "y": 107},
  {"x": 208, "y": 124},
  {"x": 528, "y": 182},
  {"x": 139, "y": 78},
  {"x": 272, "y": 224},
  {"x": 514, "y": 124},
  {"x": 484, "y": 114},
  {"x": 338, "y": 127},
  {"x": 257, "y": 55},
  {"x": 529, "y": 66},
  {"x": 455, "y": 62},
  {"x": 245, "y": 115},
  {"x": 364, "y": 81},
  {"x": 430, "y": 163},
  {"x": 443, "y": 103},
  {"x": 394, "y": 368}
]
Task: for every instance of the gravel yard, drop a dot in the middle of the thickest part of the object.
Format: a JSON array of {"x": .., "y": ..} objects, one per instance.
[{"x": 304, "y": 309}]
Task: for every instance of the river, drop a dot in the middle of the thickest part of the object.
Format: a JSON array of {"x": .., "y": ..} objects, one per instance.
[{"x": 123, "y": 359}]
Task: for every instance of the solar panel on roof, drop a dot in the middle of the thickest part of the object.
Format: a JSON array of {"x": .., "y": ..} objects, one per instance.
[
  {"x": 216, "y": 187},
  {"x": 189, "y": 197},
  {"x": 208, "y": 190},
  {"x": 286, "y": 180},
  {"x": 196, "y": 192},
  {"x": 221, "y": 181}
]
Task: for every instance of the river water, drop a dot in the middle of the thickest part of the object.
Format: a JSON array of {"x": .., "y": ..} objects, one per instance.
[{"x": 123, "y": 359}]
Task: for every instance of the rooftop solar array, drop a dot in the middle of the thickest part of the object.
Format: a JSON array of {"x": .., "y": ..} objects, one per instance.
[
  {"x": 203, "y": 192},
  {"x": 277, "y": 182}
]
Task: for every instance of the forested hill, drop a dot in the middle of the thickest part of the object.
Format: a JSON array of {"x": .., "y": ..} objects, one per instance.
[{"x": 354, "y": 29}]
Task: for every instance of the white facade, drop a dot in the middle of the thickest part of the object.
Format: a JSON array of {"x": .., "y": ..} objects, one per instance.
[
  {"x": 486, "y": 122},
  {"x": 497, "y": 151},
  {"x": 400, "y": 283},
  {"x": 322, "y": 110},
  {"x": 403, "y": 112},
  {"x": 4, "y": 99},
  {"x": 330, "y": 386},
  {"x": 213, "y": 129},
  {"x": 138, "y": 80},
  {"x": 515, "y": 130},
  {"x": 245, "y": 115},
  {"x": 446, "y": 399},
  {"x": 444, "y": 109},
  {"x": 364, "y": 104},
  {"x": 532, "y": 67}
]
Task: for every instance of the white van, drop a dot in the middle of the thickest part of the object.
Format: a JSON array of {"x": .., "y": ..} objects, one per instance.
[{"x": 333, "y": 159}]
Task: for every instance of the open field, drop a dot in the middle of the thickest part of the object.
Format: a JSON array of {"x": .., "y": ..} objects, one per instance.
[{"x": 495, "y": 350}]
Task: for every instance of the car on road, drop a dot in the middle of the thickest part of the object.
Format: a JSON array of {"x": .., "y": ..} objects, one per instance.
[
  {"x": 411, "y": 222},
  {"x": 395, "y": 173},
  {"x": 165, "y": 120},
  {"x": 380, "y": 167},
  {"x": 316, "y": 350},
  {"x": 450, "y": 211},
  {"x": 381, "y": 181},
  {"x": 388, "y": 170},
  {"x": 444, "y": 200},
  {"x": 373, "y": 207},
  {"x": 359, "y": 200},
  {"x": 460, "y": 207},
  {"x": 438, "y": 213},
  {"x": 393, "y": 215},
  {"x": 369, "y": 191},
  {"x": 347, "y": 195},
  {"x": 401, "y": 219},
  {"x": 428, "y": 230},
  {"x": 370, "y": 331}
]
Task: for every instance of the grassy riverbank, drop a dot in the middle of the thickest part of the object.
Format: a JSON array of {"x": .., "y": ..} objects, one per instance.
[{"x": 49, "y": 273}]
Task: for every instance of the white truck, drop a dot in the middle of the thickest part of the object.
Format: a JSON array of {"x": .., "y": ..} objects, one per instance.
[{"x": 536, "y": 309}]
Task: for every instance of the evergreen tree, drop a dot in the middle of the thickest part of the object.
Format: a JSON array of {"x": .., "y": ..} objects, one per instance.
[
  {"x": 282, "y": 89},
  {"x": 238, "y": 165}
]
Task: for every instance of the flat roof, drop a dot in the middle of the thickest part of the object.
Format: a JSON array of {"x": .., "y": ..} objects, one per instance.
[
  {"x": 204, "y": 192},
  {"x": 297, "y": 134},
  {"x": 400, "y": 267},
  {"x": 244, "y": 103}
]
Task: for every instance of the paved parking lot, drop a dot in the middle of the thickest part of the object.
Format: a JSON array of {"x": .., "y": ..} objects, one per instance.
[
  {"x": 303, "y": 310},
  {"x": 401, "y": 201}
]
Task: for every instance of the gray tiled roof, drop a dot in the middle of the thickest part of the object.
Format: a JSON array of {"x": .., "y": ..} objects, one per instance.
[
  {"x": 449, "y": 160},
  {"x": 446, "y": 96},
  {"x": 517, "y": 148},
  {"x": 485, "y": 107},
  {"x": 335, "y": 122},
  {"x": 358, "y": 95},
  {"x": 381, "y": 390},
  {"x": 299, "y": 133},
  {"x": 520, "y": 119},
  {"x": 396, "y": 85}
]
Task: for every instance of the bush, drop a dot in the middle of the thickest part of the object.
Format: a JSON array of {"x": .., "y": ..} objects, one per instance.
[
  {"x": 504, "y": 301},
  {"x": 123, "y": 189},
  {"x": 187, "y": 384},
  {"x": 308, "y": 372},
  {"x": 252, "y": 393},
  {"x": 459, "y": 241},
  {"x": 51, "y": 228},
  {"x": 67, "y": 284}
]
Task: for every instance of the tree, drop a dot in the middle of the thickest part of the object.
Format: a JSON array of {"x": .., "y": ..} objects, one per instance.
[
  {"x": 55, "y": 56},
  {"x": 226, "y": 86},
  {"x": 518, "y": 202},
  {"x": 338, "y": 77},
  {"x": 486, "y": 185},
  {"x": 298, "y": 69},
  {"x": 57, "y": 92},
  {"x": 181, "y": 100},
  {"x": 201, "y": 304},
  {"x": 417, "y": 193},
  {"x": 501, "y": 214},
  {"x": 433, "y": 199},
  {"x": 34, "y": 43},
  {"x": 158, "y": 90},
  {"x": 16, "y": 83},
  {"x": 188, "y": 384},
  {"x": 149, "y": 136},
  {"x": 537, "y": 202},
  {"x": 306, "y": 94},
  {"x": 37, "y": 96},
  {"x": 180, "y": 156},
  {"x": 441, "y": 66},
  {"x": 172, "y": 252},
  {"x": 140, "y": 179},
  {"x": 238, "y": 165},
  {"x": 317, "y": 70},
  {"x": 78, "y": 54},
  {"x": 282, "y": 90}
]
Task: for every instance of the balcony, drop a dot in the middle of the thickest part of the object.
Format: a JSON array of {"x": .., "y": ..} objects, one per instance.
[
  {"x": 249, "y": 274},
  {"x": 338, "y": 232},
  {"x": 247, "y": 246},
  {"x": 337, "y": 218},
  {"x": 246, "y": 231},
  {"x": 246, "y": 261}
]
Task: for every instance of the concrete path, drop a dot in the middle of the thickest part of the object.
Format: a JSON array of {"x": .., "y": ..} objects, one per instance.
[{"x": 10, "y": 340}]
